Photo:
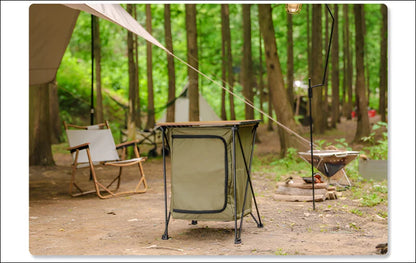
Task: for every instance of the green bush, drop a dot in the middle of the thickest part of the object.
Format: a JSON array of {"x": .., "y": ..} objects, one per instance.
[
  {"x": 290, "y": 164},
  {"x": 378, "y": 150}
]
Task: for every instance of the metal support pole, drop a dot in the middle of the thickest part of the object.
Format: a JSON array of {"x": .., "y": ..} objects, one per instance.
[
  {"x": 92, "y": 72},
  {"x": 92, "y": 78},
  {"x": 259, "y": 224},
  {"x": 310, "y": 86},
  {"x": 311, "y": 144},
  {"x": 248, "y": 171},
  {"x": 165, "y": 236},
  {"x": 237, "y": 240},
  {"x": 245, "y": 190}
]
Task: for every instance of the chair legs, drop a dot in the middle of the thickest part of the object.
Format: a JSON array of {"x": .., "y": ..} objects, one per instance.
[{"x": 103, "y": 191}]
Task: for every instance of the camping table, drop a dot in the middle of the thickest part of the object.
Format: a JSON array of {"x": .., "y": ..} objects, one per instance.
[
  {"x": 210, "y": 171},
  {"x": 329, "y": 162}
]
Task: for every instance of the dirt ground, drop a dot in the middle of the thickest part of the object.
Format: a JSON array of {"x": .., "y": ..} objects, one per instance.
[{"x": 133, "y": 225}]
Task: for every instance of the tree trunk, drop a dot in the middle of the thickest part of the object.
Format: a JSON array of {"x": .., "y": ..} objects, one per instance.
[
  {"x": 138, "y": 119},
  {"x": 40, "y": 152},
  {"x": 224, "y": 59},
  {"x": 344, "y": 72},
  {"x": 363, "y": 124},
  {"x": 54, "y": 118},
  {"x": 278, "y": 94},
  {"x": 366, "y": 67},
  {"x": 290, "y": 59},
  {"x": 247, "y": 63},
  {"x": 308, "y": 37},
  {"x": 383, "y": 64},
  {"x": 191, "y": 37},
  {"x": 230, "y": 73},
  {"x": 150, "y": 98},
  {"x": 325, "y": 111},
  {"x": 269, "y": 108},
  {"x": 131, "y": 116},
  {"x": 170, "y": 113},
  {"x": 335, "y": 72},
  {"x": 348, "y": 102},
  {"x": 99, "y": 109},
  {"x": 316, "y": 70},
  {"x": 261, "y": 82}
]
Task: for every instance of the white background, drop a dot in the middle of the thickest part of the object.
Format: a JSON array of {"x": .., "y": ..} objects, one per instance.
[{"x": 14, "y": 141}]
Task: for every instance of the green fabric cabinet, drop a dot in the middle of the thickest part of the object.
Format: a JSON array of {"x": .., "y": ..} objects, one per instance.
[{"x": 210, "y": 171}]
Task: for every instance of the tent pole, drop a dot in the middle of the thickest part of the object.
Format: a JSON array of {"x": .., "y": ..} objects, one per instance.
[
  {"x": 92, "y": 77},
  {"x": 165, "y": 236},
  {"x": 310, "y": 133},
  {"x": 310, "y": 87},
  {"x": 92, "y": 72}
]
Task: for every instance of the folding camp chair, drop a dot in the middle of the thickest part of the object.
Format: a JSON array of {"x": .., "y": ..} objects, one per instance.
[
  {"x": 146, "y": 137},
  {"x": 94, "y": 145}
]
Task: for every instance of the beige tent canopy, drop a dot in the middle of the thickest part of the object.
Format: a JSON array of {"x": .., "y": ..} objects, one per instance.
[{"x": 51, "y": 27}]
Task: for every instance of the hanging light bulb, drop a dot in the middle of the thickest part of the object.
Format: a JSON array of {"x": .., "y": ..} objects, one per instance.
[{"x": 293, "y": 8}]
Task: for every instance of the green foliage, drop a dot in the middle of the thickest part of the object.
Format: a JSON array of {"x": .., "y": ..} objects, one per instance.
[
  {"x": 290, "y": 164},
  {"x": 371, "y": 200},
  {"x": 352, "y": 171},
  {"x": 354, "y": 226},
  {"x": 73, "y": 87},
  {"x": 280, "y": 252},
  {"x": 382, "y": 214},
  {"x": 356, "y": 212},
  {"x": 372, "y": 46},
  {"x": 372, "y": 196},
  {"x": 74, "y": 74},
  {"x": 380, "y": 189},
  {"x": 340, "y": 143},
  {"x": 378, "y": 149}
]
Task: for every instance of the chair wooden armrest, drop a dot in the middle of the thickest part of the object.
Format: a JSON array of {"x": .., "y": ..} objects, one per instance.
[
  {"x": 79, "y": 147},
  {"x": 126, "y": 144}
]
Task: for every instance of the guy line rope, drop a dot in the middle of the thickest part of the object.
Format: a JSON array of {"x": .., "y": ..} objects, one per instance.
[{"x": 244, "y": 100}]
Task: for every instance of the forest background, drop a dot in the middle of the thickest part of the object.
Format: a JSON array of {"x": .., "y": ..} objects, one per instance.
[
  {"x": 357, "y": 75},
  {"x": 14, "y": 107},
  {"x": 74, "y": 81}
]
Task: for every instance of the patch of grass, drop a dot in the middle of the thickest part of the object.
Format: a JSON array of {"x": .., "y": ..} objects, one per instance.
[
  {"x": 354, "y": 226},
  {"x": 356, "y": 212},
  {"x": 371, "y": 200},
  {"x": 382, "y": 214},
  {"x": 380, "y": 188},
  {"x": 290, "y": 164},
  {"x": 372, "y": 195},
  {"x": 280, "y": 252},
  {"x": 323, "y": 228}
]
